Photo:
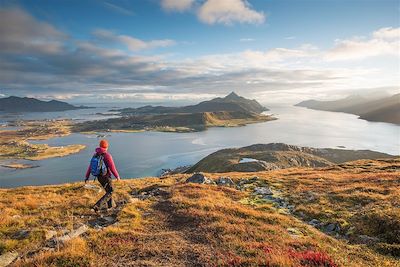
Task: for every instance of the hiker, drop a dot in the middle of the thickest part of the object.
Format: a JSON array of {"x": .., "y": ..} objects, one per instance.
[{"x": 102, "y": 166}]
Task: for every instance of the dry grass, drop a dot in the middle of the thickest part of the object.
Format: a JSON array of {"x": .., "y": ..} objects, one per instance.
[{"x": 207, "y": 225}]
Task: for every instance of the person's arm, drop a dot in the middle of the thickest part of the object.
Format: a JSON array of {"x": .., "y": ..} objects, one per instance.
[
  {"x": 87, "y": 173},
  {"x": 111, "y": 166}
]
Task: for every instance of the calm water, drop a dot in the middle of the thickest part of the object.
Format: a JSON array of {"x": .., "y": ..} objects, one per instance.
[{"x": 144, "y": 154}]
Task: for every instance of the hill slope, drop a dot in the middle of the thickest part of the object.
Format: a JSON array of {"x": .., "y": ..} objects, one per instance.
[
  {"x": 385, "y": 109},
  {"x": 272, "y": 156},
  {"x": 26, "y": 104},
  {"x": 347, "y": 216}
]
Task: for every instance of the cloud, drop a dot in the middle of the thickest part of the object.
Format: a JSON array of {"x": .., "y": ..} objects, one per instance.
[
  {"x": 119, "y": 9},
  {"x": 133, "y": 44},
  {"x": 384, "y": 41},
  {"x": 225, "y": 12},
  {"x": 228, "y": 12},
  {"x": 177, "y": 5},
  {"x": 247, "y": 39},
  {"x": 388, "y": 33},
  {"x": 104, "y": 66},
  {"x": 20, "y": 33}
]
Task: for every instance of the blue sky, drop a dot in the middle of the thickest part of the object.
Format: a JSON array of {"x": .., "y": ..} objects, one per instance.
[{"x": 287, "y": 50}]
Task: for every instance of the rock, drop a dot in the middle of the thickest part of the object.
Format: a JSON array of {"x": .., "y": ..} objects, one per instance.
[
  {"x": 50, "y": 234},
  {"x": 332, "y": 227},
  {"x": 225, "y": 181},
  {"x": 198, "y": 178},
  {"x": 262, "y": 191},
  {"x": 365, "y": 239},
  {"x": 92, "y": 187},
  {"x": 7, "y": 258},
  {"x": 73, "y": 234},
  {"x": 22, "y": 234},
  {"x": 150, "y": 191},
  {"x": 314, "y": 222}
]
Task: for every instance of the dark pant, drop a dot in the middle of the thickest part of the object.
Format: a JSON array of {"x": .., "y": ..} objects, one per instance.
[{"x": 106, "y": 183}]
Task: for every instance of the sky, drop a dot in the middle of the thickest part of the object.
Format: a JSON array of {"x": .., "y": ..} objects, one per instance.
[{"x": 178, "y": 50}]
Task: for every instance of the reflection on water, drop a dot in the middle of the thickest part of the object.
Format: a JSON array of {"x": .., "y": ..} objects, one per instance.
[{"x": 145, "y": 153}]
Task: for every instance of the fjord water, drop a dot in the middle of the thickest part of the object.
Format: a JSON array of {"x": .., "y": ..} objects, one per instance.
[{"x": 146, "y": 153}]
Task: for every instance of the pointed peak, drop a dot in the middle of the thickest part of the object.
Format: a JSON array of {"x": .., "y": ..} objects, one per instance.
[{"x": 232, "y": 95}]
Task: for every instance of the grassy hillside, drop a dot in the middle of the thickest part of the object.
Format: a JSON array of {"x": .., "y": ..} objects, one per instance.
[
  {"x": 277, "y": 156},
  {"x": 167, "y": 222}
]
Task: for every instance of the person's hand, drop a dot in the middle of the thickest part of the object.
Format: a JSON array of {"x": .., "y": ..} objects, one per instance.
[{"x": 118, "y": 179}]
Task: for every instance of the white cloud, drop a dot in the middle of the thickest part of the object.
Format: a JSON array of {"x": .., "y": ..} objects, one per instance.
[
  {"x": 247, "y": 39},
  {"x": 177, "y": 5},
  {"x": 228, "y": 12},
  {"x": 384, "y": 41},
  {"x": 133, "y": 44},
  {"x": 388, "y": 33}
]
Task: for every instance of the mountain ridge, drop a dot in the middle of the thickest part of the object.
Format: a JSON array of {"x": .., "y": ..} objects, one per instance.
[
  {"x": 231, "y": 102},
  {"x": 386, "y": 109},
  {"x": 28, "y": 104}
]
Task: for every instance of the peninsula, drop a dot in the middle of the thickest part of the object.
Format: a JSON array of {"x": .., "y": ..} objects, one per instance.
[{"x": 385, "y": 109}]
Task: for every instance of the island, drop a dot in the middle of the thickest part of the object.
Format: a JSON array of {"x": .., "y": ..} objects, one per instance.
[
  {"x": 386, "y": 109},
  {"x": 230, "y": 111},
  {"x": 13, "y": 104}
]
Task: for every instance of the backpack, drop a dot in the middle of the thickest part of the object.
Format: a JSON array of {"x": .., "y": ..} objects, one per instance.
[{"x": 97, "y": 165}]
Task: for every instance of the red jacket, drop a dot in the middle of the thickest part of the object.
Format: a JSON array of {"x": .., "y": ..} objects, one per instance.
[{"x": 108, "y": 160}]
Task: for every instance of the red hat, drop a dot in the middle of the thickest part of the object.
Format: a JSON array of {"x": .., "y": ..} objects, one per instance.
[{"x": 104, "y": 143}]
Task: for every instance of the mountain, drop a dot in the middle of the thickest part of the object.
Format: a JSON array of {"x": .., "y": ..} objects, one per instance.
[
  {"x": 385, "y": 109},
  {"x": 261, "y": 157},
  {"x": 26, "y": 104},
  {"x": 231, "y": 102}
]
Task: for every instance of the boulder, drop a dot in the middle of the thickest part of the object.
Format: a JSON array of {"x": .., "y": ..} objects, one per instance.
[
  {"x": 150, "y": 191},
  {"x": 73, "y": 234},
  {"x": 225, "y": 181},
  {"x": 198, "y": 178},
  {"x": 314, "y": 222},
  {"x": 7, "y": 258},
  {"x": 332, "y": 227},
  {"x": 265, "y": 191}
]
